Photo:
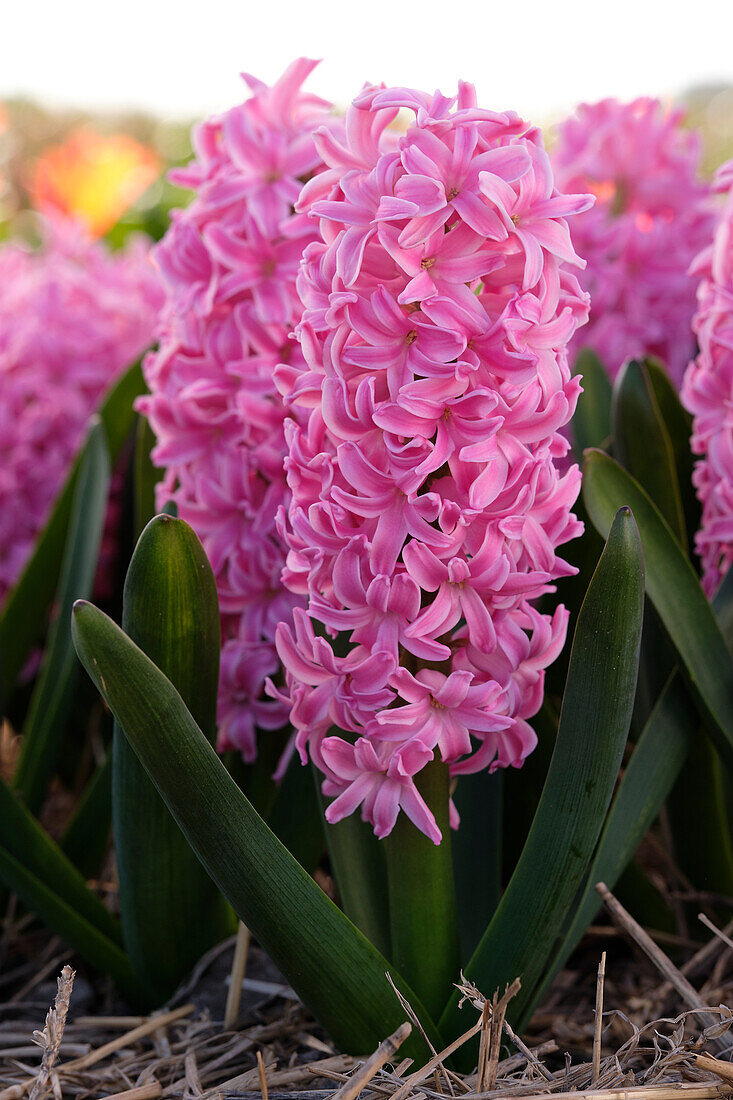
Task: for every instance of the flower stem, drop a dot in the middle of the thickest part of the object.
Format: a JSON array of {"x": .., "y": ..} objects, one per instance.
[{"x": 422, "y": 902}]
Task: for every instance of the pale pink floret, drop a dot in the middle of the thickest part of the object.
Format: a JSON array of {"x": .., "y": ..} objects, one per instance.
[
  {"x": 427, "y": 507},
  {"x": 708, "y": 394},
  {"x": 229, "y": 262},
  {"x": 651, "y": 217},
  {"x": 380, "y": 779},
  {"x": 73, "y": 316},
  {"x": 244, "y": 667}
]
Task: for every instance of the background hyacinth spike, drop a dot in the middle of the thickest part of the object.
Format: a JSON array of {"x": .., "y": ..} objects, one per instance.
[
  {"x": 228, "y": 265},
  {"x": 652, "y": 215},
  {"x": 73, "y": 317},
  {"x": 708, "y": 394}
]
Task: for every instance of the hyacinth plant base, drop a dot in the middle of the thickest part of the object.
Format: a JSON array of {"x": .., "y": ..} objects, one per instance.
[
  {"x": 413, "y": 479},
  {"x": 652, "y": 1042}
]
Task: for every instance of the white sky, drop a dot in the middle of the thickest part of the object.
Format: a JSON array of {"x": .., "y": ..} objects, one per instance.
[{"x": 181, "y": 59}]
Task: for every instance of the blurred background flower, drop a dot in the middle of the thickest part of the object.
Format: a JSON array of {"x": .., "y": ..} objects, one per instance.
[
  {"x": 107, "y": 170},
  {"x": 94, "y": 177},
  {"x": 652, "y": 215},
  {"x": 73, "y": 316}
]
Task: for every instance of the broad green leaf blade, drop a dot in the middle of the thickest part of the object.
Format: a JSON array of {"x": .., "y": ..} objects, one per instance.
[
  {"x": 24, "y": 839},
  {"x": 591, "y": 424},
  {"x": 422, "y": 897},
  {"x": 171, "y": 910},
  {"x": 594, "y": 724},
  {"x": 477, "y": 853},
  {"x": 657, "y": 760},
  {"x": 66, "y": 922},
  {"x": 642, "y": 445},
  {"x": 674, "y": 590},
  {"x": 679, "y": 428},
  {"x": 86, "y": 837},
  {"x": 648, "y": 779},
  {"x": 23, "y": 614},
  {"x": 117, "y": 410},
  {"x": 697, "y": 808},
  {"x": 337, "y": 973},
  {"x": 49, "y": 707}
]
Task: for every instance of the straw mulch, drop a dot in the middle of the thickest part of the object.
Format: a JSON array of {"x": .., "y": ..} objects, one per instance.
[
  {"x": 638, "y": 1030},
  {"x": 639, "y": 1026}
]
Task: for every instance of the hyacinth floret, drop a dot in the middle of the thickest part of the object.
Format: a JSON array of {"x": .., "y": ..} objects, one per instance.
[
  {"x": 427, "y": 504},
  {"x": 73, "y": 316},
  {"x": 707, "y": 392},
  {"x": 229, "y": 263},
  {"x": 651, "y": 217}
]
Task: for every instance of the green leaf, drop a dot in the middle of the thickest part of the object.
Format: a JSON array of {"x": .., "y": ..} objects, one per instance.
[
  {"x": 678, "y": 423},
  {"x": 674, "y": 590},
  {"x": 86, "y": 837},
  {"x": 23, "y": 838},
  {"x": 698, "y": 806},
  {"x": 660, "y": 754},
  {"x": 337, "y": 973},
  {"x": 648, "y": 779},
  {"x": 523, "y": 786},
  {"x": 171, "y": 910},
  {"x": 594, "y": 724},
  {"x": 723, "y": 604},
  {"x": 583, "y": 554},
  {"x": 24, "y": 612},
  {"x": 49, "y": 706},
  {"x": 422, "y": 898},
  {"x": 66, "y": 922},
  {"x": 701, "y": 839},
  {"x": 477, "y": 853},
  {"x": 642, "y": 445},
  {"x": 591, "y": 424}
]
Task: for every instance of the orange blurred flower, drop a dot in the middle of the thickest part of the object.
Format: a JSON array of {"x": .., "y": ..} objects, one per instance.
[{"x": 94, "y": 177}]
